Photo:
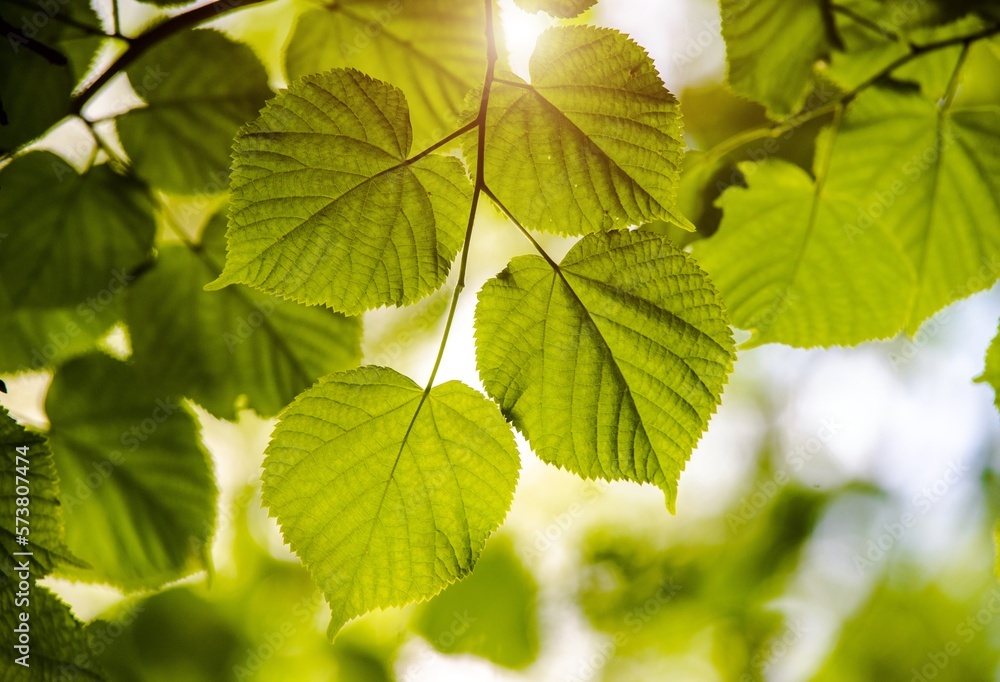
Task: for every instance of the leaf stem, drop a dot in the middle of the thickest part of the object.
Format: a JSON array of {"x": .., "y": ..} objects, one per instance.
[
  {"x": 534, "y": 242},
  {"x": 730, "y": 145},
  {"x": 479, "y": 123},
  {"x": 135, "y": 48},
  {"x": 143, "y": 43},
  {"x": 952, "y": 89}
]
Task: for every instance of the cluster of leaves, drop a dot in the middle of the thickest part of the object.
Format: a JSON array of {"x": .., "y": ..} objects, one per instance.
[{"x": 358, "y": 187}]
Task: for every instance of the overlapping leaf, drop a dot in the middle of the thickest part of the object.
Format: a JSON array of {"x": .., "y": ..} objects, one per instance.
[
  {"x": 931, "y": 177},
  {"x": 46, "y": 49},
  {"x": 792, "y": 269},
  {"x": 136, "y": 484},
  {"x": 612, "y": 364},
  {"x": 200, "y": 87},
  {"x": 215, "y": 346},
  {"x": 70, "y": 28},
  {"x": 60, "y": 647},
  {"x": 592, "y": 143},
  {"x": 329, "y": 208},
  {"x": 35, "y": 91},
  {"x": 35, "y": 339},
  {"x": 433, "y": 50},
  {"x": 385, "y": 493},
  {"x": 70, "y": 236},
  {"x": 41, "y": 527},
  {"x": 771, "y": 46}
]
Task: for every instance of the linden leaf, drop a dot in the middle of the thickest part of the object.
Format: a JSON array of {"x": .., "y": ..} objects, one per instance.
[
  {"x": 592, "y": 143},
  {"x": 612, "y": 363},
  {"x": 386, "y": 493},
  {"x": 327, "y": 206}
]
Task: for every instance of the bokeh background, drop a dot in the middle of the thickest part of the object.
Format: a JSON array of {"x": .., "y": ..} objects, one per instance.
[{"x": 835, "y": 522}]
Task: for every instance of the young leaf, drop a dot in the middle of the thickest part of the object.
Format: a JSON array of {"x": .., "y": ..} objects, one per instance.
[
  {"x": 136, "y": 484},
  {"x": 237, "y": 341},
  {"x": 929, "y": 175},
  {"x": 991, "y": 372},
  {"x": 201, "y": 87},
  {"x": 71, "y": 236},
  {"x": 771, "y": 46},
  {"x": 327, "y": 208},
  {"x": 610, "y": 364},
  {"x": 593, "y": 143},
  {"x": 46, "y": 538},
  {"x": 790, "y": 271},
  {"x": 492, "y": 614},
  {"x": 433, "y": 50},
  {"x": 385, "y": 493},
  {"x": 564, "y": 9}
]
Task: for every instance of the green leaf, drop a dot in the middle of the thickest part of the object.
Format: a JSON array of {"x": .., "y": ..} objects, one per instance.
[
  {"x": 36, "y": 339},
  {"x": 388, "y": 494},
  {"x": 492, "y": 613},
  {"x": 612, "y": 364},
  {"x": 35, "y": 93},
  {"x": 73, "y": 30},
  {"x": 869, "y": 52},
  {"x": 60, "y": 647},
  {"x": 433, "y": 50},
  {"x": 790, "y": 270},
  {"x": 771, "y": 47},
  {"x": 214, "y": 346},
  {"x": 930, "y": 176},
  {"x": 991, "y": 372},
  {"x": 564, "y": 9},
  {"x": 31, "y": 468},
  {"x": 593, "y": 143},
  {"x": 136, "y": 484},
  {"x": 327, "y": 208},
  {"x": 71, "y": 236},
  {"x": 201, "y": 87}
]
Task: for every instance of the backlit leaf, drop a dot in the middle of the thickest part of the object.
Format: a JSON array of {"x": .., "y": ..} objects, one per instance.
[
  {"x": 612, "y": 364},
  {"x": 771, "y": 46},
  {"x": 592, "y": 143},
  {"x": 791, "y": 271},
  {"x": 433, "y": 50},
  {"x": 388, "y": 495},
  {"x": 329, "y": 208}
]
